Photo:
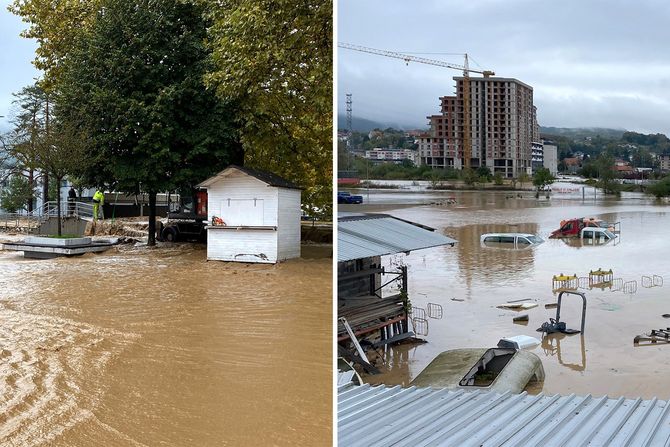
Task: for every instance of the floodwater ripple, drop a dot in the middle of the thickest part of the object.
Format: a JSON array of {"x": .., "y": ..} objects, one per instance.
[{"x": 143, "y": 346}]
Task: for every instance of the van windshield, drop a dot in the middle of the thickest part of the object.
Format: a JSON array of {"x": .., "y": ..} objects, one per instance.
[{"x": 534, "y": 239}]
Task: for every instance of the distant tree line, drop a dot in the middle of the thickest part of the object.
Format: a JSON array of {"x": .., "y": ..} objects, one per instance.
[
  {"x": 631, "y": 146},
  {"x": 386, "y": 138}
]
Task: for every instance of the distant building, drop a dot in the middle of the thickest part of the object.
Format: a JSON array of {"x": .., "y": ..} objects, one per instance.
[
  {"x": 572, "y": 164},
  {"x": 537, "y": 156},
  {"x": 414, "y": 133},
  {"x": 391, "y": 155},
  {"x": 504, "y": 125},
  {"x": 664, "y": 162},
  {"x": 550, "y": 152}
]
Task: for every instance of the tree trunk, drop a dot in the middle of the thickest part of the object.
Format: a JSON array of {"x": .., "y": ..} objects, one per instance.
[
  {"x": 152, "y": 219},
  {"x": 60, "y": 232},
  {"x": 31, "y": 185},
  {"x": 45, "y": 188}
]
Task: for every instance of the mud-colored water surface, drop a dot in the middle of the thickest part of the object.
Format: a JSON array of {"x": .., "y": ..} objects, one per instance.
[
  {"x": 469, "y": 280},
  {"x": 144, "y": 347}
]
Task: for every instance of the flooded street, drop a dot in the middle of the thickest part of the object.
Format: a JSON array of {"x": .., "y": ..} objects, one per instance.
[
  {"x": 145, "y": 347},
  {"x": 469, "y": 280}
]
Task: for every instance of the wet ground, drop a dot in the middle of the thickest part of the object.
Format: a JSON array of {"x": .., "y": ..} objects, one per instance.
[
  {"x": 144, "y": 347},
  {"x": 469, "y": 280}
]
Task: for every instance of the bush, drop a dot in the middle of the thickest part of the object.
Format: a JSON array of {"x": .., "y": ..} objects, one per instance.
[
  {"x": 16, "y": 195},
  {"x": 661, "y": 188}
]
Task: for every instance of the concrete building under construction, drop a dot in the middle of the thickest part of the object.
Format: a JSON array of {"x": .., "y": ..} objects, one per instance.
[{"x": 503, "y": 126}]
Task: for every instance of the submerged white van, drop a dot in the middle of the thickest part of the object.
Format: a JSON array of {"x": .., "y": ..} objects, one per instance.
[{"x": 511, "y": 240}]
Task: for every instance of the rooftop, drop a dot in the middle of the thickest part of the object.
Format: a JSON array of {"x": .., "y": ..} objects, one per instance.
[
  {"x": 383, "y": 415},
  {"x": 367, "y": 235},
  {"x": 266, "y": 177}
]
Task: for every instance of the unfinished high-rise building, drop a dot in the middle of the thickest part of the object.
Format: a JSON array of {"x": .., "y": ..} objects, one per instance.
[{"x": 503, "y": 125}]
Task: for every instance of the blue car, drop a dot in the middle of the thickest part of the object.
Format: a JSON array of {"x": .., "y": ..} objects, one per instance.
[{"x": 345, "y": 197}]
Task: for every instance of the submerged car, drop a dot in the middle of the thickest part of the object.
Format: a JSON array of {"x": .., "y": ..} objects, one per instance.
[
  {"x": 596, "y": 236},
  {"x": 511, "y": 240},
  {"x": 573, "y": 227}
]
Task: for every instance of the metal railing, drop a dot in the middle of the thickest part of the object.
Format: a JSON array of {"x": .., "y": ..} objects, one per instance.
[{"x": 28, "y": 221}]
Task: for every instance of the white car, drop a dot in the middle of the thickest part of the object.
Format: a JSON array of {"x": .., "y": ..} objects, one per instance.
[
  {"x": 596, "y": 235},
  {"x": 511, "y": 240}
]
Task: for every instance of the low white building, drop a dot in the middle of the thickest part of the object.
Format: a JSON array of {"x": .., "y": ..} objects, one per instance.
[
  {"x": 393, "y": 155},
  {"x": 253, "y": 216}
]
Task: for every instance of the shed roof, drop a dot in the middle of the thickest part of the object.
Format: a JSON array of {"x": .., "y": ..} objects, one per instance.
[
  {"x": 266, "y": 177},
  {"x": 383, "y": 415},
  {"x": 366, "y": 235}
]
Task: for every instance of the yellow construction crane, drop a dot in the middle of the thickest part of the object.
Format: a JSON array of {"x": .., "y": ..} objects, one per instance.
[{"x": 467, "y": 142}]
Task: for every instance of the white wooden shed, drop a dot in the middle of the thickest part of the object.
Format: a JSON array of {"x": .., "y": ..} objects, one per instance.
[{"x": 260, "y": 214}]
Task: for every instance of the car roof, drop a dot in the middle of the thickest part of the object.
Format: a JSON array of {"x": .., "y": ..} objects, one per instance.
[{"x": 508, "y": 234}]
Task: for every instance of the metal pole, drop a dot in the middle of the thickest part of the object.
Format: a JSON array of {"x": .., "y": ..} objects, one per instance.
[{"x": 367, "y": 176}]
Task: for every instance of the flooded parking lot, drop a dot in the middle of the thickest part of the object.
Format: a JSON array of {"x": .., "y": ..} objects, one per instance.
[
  {"x": 469, "y": 280},
  {"x": 142, "y": 346}
]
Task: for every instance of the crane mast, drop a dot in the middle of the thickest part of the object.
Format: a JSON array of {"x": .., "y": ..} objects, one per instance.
[{"x": 467, "y": 125}]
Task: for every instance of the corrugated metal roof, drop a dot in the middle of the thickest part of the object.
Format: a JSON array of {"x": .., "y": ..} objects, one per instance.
[
  {"x": 386, "y": 416},
  {"x": 363, "y": 236}
]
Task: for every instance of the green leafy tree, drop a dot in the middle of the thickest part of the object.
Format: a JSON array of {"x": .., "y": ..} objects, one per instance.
[
  {"x": 56, "y": 25},
  {"x": 541, "y": 179},
  {"x": 607, "y": 175},
  {"x": 134, "y": 83},
  {"x": 660, "y": 188},
  {"x": 524, "y": 178},
  {"x": 15, "y": 195},
  {"x": 274, "y": 57},
  {"x": 30, "y": 122},
  {"x": 469, "y": 176},
  {"x": 498, "y": 179},
  {"x": 61, "y": 152},
  {"x": 485, "y": 173}
]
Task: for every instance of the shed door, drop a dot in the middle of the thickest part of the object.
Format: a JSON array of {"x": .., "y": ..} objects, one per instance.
[{"x": 242, "y": 212}]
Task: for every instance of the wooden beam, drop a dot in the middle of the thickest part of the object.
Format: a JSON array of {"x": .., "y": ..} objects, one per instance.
[{"x": 368, "y": 368}]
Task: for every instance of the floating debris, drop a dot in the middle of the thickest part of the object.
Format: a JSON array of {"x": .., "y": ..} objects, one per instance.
[
  {"x": 656, "y": 335},
  {"x": 517, "y": 306}
]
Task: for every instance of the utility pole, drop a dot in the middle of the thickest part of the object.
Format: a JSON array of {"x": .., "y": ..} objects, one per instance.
[{"x": 349, "y": 130}]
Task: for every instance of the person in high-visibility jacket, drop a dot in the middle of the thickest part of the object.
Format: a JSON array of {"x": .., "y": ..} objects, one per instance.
[{"x": 98, "y": 201}]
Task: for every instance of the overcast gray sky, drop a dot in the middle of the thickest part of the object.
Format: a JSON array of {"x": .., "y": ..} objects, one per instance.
[
  {"x": 16, "y": 53},
  {"x": 590, "y": 63}
]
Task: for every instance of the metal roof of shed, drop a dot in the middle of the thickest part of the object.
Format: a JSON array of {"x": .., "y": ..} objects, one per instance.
[
  {"x": 366, "y": 235},
  {"x": 395, "y": 416}
]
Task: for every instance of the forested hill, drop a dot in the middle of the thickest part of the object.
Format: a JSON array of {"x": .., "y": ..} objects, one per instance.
[{"x": 582, "y": 132}]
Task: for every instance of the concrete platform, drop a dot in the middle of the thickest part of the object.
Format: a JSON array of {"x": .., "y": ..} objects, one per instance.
[{"x": 47, "y": 248}]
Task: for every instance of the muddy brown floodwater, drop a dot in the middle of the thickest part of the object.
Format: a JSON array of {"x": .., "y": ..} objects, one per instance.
[
  {"x": 145, "y": 347},
  {"x": 603, "y": 360}
]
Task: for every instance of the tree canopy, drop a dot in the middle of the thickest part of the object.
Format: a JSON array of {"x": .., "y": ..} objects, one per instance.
[
  {"x": 134, "y": 82},
  {"x": 275, "y": 58}
]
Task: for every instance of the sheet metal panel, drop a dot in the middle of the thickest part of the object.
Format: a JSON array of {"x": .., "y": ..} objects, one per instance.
[
  {"x": 378, "y": 236},
  {"x": 395, "y": 416}
]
